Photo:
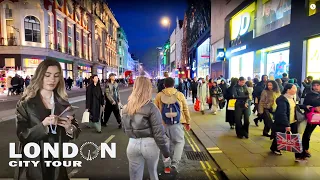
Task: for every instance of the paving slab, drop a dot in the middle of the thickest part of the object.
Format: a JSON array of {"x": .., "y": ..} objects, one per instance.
[{"x": 251, "y": 158}]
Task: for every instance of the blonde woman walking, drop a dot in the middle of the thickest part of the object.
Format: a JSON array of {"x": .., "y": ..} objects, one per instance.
[{"x": 142, "y": 122}]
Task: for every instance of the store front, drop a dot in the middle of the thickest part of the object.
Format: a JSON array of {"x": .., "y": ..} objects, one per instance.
[
  {"x": 85, "y": 71},
  {"x": 203, "y": 57},
  {"x": 100, "y": 73},
  {"x": 30, "y": 65},
  {"x": 67, "y": 69},
  {"x": 272, "y": 61},
  {"x": 241, "y": 65},
  {"x": 313, "y": 57}
]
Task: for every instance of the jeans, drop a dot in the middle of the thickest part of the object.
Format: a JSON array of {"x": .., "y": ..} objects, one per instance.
[
  {"x": 267, "y": 121},
  {"x": 241, "y": 129},
  {"x": 215, "y": 104},
  {"x": 175, "y": 134},
  {"x": 140, "y": 150},
  {"x": 307, "y": 134}
]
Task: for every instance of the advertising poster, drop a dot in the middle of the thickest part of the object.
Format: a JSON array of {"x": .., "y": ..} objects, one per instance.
[
  {"x": 242, "y": 65},
  {"x": 313, "y": 62},
  {"x": 203, "y": 54},
  {"x": 277, "y": 64},
  {"x": 272, "y": 14}
]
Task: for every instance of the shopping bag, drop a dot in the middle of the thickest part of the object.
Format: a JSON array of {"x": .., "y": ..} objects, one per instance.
[
  {"x": 232, "y": 104},
  {"x": 120, "y": 109},
  {"x": 289, "y": 142},
  {"x": 85, "y": 117},
  {"x": 197, "y": 105}
]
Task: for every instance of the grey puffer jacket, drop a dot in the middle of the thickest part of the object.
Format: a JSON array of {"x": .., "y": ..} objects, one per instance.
[{"x": 147, "y": 122}]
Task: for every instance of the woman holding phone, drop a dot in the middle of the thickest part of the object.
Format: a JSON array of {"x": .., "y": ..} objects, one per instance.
[{"x": 38, "y": 120}]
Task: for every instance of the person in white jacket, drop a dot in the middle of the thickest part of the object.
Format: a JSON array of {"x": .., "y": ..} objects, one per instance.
[{"x": 203, "y": 94}]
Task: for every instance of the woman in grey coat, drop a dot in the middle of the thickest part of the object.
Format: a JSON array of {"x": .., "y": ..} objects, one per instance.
[{"x": 142, "y": 122}]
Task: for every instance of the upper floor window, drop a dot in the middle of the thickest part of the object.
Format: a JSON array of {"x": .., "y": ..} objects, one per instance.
[
  {"x": 58, "y": 25},
  {"x": 60, "y": 2},
  {"x": 314, "y": 7},
  {"x": 32, "y": 29},
  {"x": 69, "y": 31},
  {"x": 8, "y": 12}
]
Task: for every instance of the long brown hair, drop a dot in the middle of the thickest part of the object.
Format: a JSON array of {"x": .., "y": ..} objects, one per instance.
[
  {"x": 37, "y": 81},
  {"x": 141, "y": 94}
]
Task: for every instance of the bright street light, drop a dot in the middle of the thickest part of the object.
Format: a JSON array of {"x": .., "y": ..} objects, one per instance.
[{"x": 165, "y": 21}]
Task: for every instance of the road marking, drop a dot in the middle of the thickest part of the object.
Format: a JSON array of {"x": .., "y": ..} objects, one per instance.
[
  {"x": 215, "y": 152},
  {"x": 106, "y": 141},
  {"x": 73, "y": 172},
  {"x": 203, "y": 164},
  {"x": 213, "y": 148}
]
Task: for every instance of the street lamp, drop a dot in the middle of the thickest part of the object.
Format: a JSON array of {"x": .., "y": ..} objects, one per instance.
[{"x": 165, "y": 21}]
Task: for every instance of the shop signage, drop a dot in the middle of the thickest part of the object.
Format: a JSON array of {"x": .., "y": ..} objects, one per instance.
[
  {"x": 242, "y": 22},
  {"x": 220, "y": 54},
  {"x": 245, "y": 24},
  {"x": 238, "y": 49},
  {"x": 32, "y": 62}
]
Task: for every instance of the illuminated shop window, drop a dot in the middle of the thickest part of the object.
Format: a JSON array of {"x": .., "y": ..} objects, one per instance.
[{"x": 313, "y": 58}]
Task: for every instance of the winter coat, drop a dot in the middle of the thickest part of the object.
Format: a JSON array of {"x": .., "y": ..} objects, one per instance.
[
  {"x": 94, "y": 101},
  {"x": 30, "y": 115},
  {"x": 146, "y": 122},
  {"x": 267, "y": 100},
  {"x": 203, "y": 94}
]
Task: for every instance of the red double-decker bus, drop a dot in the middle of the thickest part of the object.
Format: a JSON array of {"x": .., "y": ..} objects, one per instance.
[{"x": 129, "y": 75}]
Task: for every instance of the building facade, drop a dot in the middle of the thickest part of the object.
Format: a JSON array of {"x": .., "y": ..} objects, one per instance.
[
  {"x": 123, "y": 51},
  {"x": 198, "y": 37},
  {"x": 265, "y": 37},
  {"x": 80, "y": 34},
  {"x": 219, "y": 11},
  {"x": 176, "y": 49}
]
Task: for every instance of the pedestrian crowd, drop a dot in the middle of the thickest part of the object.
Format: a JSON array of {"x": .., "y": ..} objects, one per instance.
[
  {"x": 17, "y": 84},
  {"x": 281, "y": 104}
]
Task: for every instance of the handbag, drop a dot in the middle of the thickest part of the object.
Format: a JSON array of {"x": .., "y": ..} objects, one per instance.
[
  {"x": 85, "y": 117},
  {"x": 231, "y": 104},
  {"x": 197, "y": 105},
  {"x": 312, "y": 117},
  {"x": 299, "y": 115},
  {"x": 289, "y": 142}
]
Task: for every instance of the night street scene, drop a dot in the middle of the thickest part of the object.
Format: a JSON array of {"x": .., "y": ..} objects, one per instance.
[{"x": 159, "y": 89}]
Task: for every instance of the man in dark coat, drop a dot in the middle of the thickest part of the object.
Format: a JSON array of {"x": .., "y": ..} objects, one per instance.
[
  {"x": 194, "y": 88},
  {"x": 94, "y": 103},
  {"x": 112, "y": 97},
  {"x": 257, "y": 90},
  {"x": 241, "y": 94},
  {"x": 161, "y": 82}
]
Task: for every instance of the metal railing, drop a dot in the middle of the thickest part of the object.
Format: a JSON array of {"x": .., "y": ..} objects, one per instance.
[{"x": 8, "y": 41}]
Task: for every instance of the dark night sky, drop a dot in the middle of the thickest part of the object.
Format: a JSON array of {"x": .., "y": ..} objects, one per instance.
[{"x": 140, "y": 19}]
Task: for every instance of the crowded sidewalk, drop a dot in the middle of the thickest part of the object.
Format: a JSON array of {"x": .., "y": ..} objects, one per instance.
[{"x": 251, "y": 158}]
